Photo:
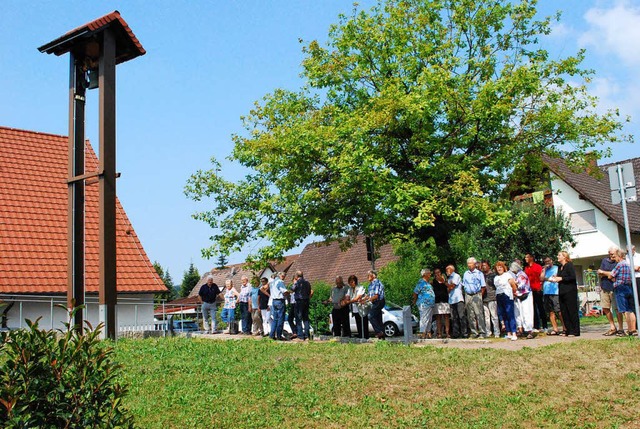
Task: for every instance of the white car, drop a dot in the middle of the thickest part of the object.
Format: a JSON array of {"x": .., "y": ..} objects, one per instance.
[{"x": 391, "y": 319}]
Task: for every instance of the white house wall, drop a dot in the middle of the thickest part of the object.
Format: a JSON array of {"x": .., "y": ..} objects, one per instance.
[
  {"x": 588, "y": 244},
  {"x": 134, "y": 312}
]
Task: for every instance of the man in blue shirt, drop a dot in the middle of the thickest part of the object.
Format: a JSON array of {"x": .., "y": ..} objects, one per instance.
[
  {"x": 456, "y": 303},
  {"x": 376, "y": 297},
  {"x": 278, "y": 292},
  {"x": 550, "y": 294},
  {"x": 607, "y": 297},
  {"x": 474, "y": 285},
  {"x": 622, "y": 287}
]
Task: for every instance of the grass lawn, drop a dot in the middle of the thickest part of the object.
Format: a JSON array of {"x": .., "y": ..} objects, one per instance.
[{"x": 198, "y": 383}]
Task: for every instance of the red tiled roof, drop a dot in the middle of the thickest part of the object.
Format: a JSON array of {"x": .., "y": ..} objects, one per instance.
[
  {"x": 33, "y": 221},
  {"x": 323, "y": 262},
  {"x": 179, "y": 305},
  {"x": 127, "y": 44},
  {"x": 285, "y": 264},
  {"x": 220, "y": 276}
]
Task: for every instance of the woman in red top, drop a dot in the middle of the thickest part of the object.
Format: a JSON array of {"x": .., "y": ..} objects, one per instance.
[{"x": 533, "y": 270}]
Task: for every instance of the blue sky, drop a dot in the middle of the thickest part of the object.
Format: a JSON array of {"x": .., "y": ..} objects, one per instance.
[{"x": 206, "y": 63}]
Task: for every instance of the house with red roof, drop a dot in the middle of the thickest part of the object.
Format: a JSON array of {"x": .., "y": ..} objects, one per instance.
[
  {"x": 322, "y": 262},
  {"x": 190, "y": 305},
  {"x": 33, "y": 238}
]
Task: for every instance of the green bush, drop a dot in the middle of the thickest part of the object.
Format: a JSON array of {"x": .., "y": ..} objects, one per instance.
[
  {"x": 400, "y": 277},
  {"x": 319, "y": 312},
  {"x": 60, "y": 379}
]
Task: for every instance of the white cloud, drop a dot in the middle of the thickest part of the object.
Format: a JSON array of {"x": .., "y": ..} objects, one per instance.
[
  {"x": 560, "y": 30},
  {"x": 615, "y": 30}
]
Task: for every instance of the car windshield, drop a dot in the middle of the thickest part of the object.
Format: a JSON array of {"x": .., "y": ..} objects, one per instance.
[{"x": 392, "y": 306}]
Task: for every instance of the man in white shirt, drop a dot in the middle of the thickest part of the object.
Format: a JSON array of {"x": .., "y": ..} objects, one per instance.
[{"x": 459, "y": 326}]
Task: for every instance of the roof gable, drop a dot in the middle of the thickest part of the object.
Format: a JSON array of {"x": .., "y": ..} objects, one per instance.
[
  {"x": 322, "y": 262},
  {"x": 33, "y": 215},
  {"x": 597, "y": 191},
  {"x": 235, "y": 272},
  {"x": 128, "y": 46}
]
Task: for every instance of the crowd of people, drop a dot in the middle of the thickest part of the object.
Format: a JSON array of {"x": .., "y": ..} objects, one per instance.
[
  {"x": 262, "y": 307},
  {"x": 519, "y": 300},
  {"x": 486, "y": 300}
]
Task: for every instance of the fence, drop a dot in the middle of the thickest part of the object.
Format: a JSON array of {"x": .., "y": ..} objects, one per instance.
[
  {"x": 133, "y": 314},
  {"x": 589, "y": 292}
]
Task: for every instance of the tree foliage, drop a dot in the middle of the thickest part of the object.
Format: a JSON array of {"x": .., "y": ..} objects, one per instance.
[
  {"x": 401, "y": 276},
  {"x": 521, "y": 229},
  {"x": 410, "y": 121},
  {"x": 190, "y": 278},
  {"x": 222, "y": 261},
  {"x": 59, "y": 379},
  {"x": 171, "y": 293}
]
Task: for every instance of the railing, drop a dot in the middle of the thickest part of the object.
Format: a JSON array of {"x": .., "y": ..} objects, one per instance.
[
  {"x": 589, "y": 292},
  {"x": 133, "y": 314}
]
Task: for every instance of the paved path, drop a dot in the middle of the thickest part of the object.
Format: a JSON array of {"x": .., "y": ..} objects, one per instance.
[{"x": 592, "y": 332}]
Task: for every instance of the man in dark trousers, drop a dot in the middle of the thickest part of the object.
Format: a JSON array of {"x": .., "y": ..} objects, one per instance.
[
  {"x": 302, "y": 293},
  {"x": 340, "y": 312},
  {"x": 208, "y": 294}
]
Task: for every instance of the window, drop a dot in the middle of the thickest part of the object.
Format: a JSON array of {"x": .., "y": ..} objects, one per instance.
[{"x": 584, "y": 221}]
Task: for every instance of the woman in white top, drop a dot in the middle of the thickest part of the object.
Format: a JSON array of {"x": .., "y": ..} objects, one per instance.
[
  {"x": 505, "y": 289},
  {"x": 230, "y": 299},
  {"x": 356, "y": 292}
]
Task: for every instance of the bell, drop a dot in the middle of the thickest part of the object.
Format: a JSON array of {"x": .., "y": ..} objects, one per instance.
[{"x": 94, "y": 80}]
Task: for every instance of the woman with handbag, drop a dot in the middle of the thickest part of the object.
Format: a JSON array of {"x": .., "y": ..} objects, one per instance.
[{"x": 523, "y": 301}]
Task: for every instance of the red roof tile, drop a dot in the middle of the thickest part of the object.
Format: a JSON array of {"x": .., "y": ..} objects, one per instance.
[
  {"x": 322, "y": 262},
  {"x": 127, "y": 44},
  {"x": 33, "y": 221},
  {"x": 235, "y": 272}
]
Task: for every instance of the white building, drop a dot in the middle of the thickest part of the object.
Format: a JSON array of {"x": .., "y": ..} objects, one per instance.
[{"x": 596, "y": 223}]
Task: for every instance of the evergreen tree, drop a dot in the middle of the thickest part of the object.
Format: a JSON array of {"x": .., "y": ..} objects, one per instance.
[
  {"x": 168, "y": 282},
  {"x": 189, "y": 280},
  {"x": 222, "y": 261}
]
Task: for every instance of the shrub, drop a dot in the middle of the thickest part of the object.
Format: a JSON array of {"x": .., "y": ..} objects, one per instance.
[
  {"x": 319, "y": 312},
  {"x": 400, "y": 277},
  {"x": 60, "y": 378}
]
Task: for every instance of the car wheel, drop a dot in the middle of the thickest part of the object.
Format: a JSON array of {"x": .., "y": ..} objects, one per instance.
[{"x": 390, "y": 329}]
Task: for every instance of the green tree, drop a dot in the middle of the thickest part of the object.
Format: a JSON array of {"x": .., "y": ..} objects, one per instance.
[
  {"x": 409, "y": 123},
  {"x": 521, "y": 229},
  {"x": 189, "y": 280},
  {"x": 164, "y": 275},
  {"x": 401, "y": 276},
  {"x": 222, "y": 261},
  {"x": 173, "y": 290}
]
